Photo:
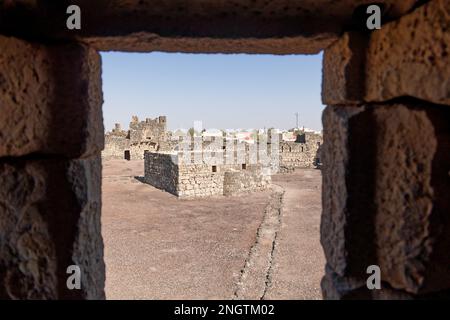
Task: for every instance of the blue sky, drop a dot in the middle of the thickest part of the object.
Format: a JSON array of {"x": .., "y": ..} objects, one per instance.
[{"x": 222, "y": 91}]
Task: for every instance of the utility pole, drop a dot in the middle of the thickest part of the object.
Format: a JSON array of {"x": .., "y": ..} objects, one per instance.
[{"x": 296, "y": 122}]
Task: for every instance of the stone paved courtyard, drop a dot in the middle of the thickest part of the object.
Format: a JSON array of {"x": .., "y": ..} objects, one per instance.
[{"x": 160, "y": 247}]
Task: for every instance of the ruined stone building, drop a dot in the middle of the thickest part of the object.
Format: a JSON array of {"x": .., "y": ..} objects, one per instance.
[
  {"x": 385, "y": 156},
  {"x": 187, "y": 178},
  {"x": 148, "y": 135}
]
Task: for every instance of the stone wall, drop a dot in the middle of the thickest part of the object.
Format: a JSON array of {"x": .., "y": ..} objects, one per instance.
[
  {"x": 301, "y": 154},
  {"x": 138, "y": 149},
  {"x": 199, "y": 180},
  {"x": 161, "y": 172},
  {"x": 248, "y": 180},
  {"x": 51, "y": 135},
  {"x": 196, "y": 26},
  {"x": 115, "y": 147},
  {"x": 386, "y": 159}
]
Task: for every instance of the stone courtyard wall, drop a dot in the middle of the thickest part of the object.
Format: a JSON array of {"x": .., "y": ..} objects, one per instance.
[
  {"x": 137, "y": 150},
  {"x": 161, "y": 172},
  {"x": 199, "y": 180},
  {"x": 249, "y": 180},
  {"x": 304, "y": 153},
  {"x": 115, "y": 147}
]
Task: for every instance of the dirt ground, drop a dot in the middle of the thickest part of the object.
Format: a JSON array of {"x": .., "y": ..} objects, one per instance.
[
  {"x": 160, "y": 247},
  {"x": 299, "y": 261}
]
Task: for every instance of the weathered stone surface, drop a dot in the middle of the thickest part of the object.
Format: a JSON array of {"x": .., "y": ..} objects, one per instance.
[
  {"x": 85, "y": 178},
  {"x": 411, "y": 56},
  {"x": 347, "y": 190},
  {"x": 239, "y": 182},
  {"x": 385, "y": 175},
  {"x": 343, "y": 70},
  {"x": 50, "y": 219},
  {"x": 407, "y": 57},
  {"x": 251, "y": 26},
  {"x": 50, "y": 99},
  {"x": 162, "y": 172},
  {"x": 335, "y": 287},
  {"x": 406, "y": 145},
  {"x": 412, "y": 187}
]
